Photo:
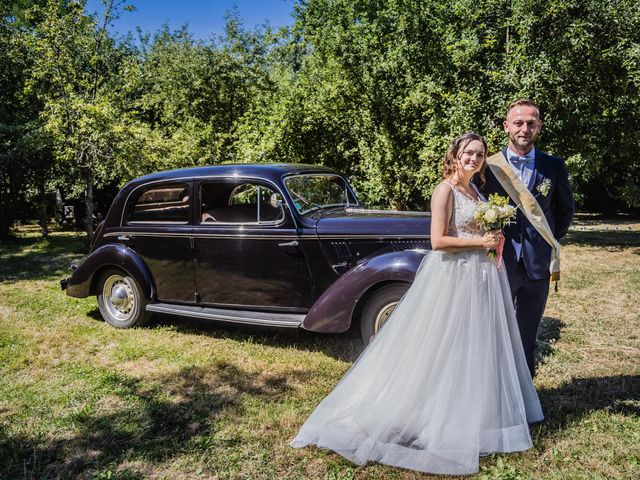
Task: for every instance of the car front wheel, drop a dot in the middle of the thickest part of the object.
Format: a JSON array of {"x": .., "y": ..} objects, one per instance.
[
  {"x": 120, "y": 300},
  {"x": 378, "y": 309}
]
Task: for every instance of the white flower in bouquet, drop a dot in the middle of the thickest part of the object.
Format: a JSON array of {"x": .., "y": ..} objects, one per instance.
[
  {"x": 506, "y": 211},
  {"x": 490, "y": 215}
]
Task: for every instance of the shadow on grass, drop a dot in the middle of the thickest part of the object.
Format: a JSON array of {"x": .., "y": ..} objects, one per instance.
[
  {"x": 603, "y": 238},
  {"x": 345, "y": 346},
  {"x": 548, "y": 335},
  {"x": 341, "y": 346},
  {"x": 36, "y": 258},
  {"x": 569, "y": 403},
  {"x": 143, "y": 421}
]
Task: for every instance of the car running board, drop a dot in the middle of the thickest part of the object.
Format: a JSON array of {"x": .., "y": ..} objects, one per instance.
[{"x": 289, "y": 320}]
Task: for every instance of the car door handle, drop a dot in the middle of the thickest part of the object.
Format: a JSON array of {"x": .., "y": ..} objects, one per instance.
[
  {"x": 127, "y": 240},
  {"x": 293, "y": 243}
]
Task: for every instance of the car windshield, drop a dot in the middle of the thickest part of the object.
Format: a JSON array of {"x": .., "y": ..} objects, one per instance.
[{"x": 316, "y": 192}]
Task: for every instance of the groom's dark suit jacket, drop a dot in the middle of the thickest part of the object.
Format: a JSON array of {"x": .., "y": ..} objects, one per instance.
[{"x": 522, "y": 239}]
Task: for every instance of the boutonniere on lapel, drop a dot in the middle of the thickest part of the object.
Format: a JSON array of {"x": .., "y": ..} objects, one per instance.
[{"x": 544, "y": 187}]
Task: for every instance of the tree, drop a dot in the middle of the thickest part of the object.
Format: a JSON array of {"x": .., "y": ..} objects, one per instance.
[
  {"x": 25, "y": 150},
  {"x": 77, "y": 61},
  {"x": 375, "y": 89},
  {"x": 191, "y": 93},
  {"x": 581, "y": 60},
  {"x": 390, "y": 83}
]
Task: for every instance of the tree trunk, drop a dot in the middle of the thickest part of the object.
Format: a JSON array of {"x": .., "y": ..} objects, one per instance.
[
  {"x": 44, "y": 220},
  {"x": 5, "y": 225},
  {"x": 88, "y": 204},
  {"x": 399, "y": 205},
  {"x": 6, "y": 216}
]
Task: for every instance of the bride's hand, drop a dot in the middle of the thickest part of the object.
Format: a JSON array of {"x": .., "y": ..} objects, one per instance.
[{"x": 490, "y": 239}]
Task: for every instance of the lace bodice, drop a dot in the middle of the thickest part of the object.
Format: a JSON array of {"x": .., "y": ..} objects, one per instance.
[{"x": 462, "y": 223}]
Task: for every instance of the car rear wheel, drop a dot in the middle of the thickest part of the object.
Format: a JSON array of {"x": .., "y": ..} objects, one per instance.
[
  {"x": 120, "y": 300},
  {"x": 378, "y": 309}
]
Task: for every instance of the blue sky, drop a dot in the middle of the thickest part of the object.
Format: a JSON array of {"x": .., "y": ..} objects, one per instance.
[{"x": 203, "y": 16}]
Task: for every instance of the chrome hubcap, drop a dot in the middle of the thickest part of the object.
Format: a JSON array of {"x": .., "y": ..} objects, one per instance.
[
  {"x": 384, "y": 314},
  {"x": 118, "y": 297}
]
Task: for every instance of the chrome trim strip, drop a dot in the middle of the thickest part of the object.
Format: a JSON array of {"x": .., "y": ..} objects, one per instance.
[
  {"x": 156, "y": 222},
  {"x": 366, "y": 237},
  {"x": 246, "y": 237},
  {"x": 255, "y": 236},
  {"x": 211, "y": 315},
  {"x": 147, "y": 234},
  {"x": 238, "y": 224},
  {"x": 414, "y": 213},
  {"x": 205, "y": 235}
]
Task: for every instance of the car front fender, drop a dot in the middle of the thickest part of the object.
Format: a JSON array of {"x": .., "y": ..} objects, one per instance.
[
  {"x": 82, "y": 282},
  {"x": 333, "y": 311}
]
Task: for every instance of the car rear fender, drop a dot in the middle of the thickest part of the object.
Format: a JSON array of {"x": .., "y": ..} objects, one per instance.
[
  {"x": 334, "y": 309},
  {"x": 84, "y": 280}
]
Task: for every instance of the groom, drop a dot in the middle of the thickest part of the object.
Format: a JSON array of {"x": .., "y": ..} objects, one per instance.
[{"x": 526, "y": 254}]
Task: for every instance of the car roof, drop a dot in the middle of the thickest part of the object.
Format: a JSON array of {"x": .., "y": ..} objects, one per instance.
[{"x": 272, "y": 171}]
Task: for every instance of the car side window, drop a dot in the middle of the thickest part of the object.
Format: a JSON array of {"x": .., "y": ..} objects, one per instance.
[
  {"x": 168, "y": 203},
  {"x": 239, "y": 201}
]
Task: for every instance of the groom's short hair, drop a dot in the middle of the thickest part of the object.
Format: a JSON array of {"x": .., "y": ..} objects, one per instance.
[{"x": 523, "y": 101}]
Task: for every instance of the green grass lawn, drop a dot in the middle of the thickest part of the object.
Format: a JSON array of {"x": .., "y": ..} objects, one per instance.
[{"x": 185, "y": 399}]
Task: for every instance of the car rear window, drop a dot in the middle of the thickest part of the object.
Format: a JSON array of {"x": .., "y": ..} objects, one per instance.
[{"x": 161, "y": 204}]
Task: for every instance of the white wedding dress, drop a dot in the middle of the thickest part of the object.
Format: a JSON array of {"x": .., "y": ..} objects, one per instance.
[{"x": 445, "y": 380}]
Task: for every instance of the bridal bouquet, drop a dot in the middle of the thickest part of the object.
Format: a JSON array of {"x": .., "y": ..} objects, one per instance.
[{"x": 495, "y": 214}]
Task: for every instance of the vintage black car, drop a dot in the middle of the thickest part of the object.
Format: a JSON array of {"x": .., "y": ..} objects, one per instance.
[{"x": 265, "y": 244}]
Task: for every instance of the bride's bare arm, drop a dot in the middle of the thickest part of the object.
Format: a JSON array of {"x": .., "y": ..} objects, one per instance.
[{"x": 441, "y": 210}]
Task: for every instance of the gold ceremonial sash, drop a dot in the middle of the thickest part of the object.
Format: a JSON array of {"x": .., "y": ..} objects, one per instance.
[{"x": 526, "y": 202}]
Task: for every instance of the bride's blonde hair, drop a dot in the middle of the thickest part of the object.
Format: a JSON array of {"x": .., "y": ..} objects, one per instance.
[{"x": 457, "y": 146}]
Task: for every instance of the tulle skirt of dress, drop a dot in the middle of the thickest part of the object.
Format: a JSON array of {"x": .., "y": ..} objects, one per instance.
[{"x": 443, "y": 382}]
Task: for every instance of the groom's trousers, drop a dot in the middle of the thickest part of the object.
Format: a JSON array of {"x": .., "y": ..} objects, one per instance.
[{"x": 529, "y": 299}]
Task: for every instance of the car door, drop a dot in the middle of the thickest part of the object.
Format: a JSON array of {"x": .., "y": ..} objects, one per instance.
[
  {"x": 246, "y": 248},
  {"x": 157, "y": 226}
]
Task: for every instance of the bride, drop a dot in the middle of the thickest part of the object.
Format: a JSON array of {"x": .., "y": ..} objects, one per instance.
[{"x": 445, "y": 380}]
